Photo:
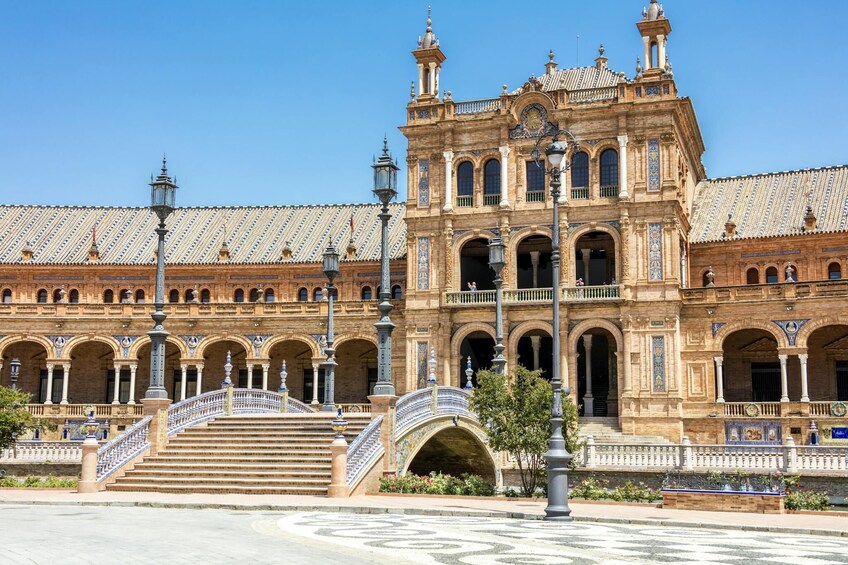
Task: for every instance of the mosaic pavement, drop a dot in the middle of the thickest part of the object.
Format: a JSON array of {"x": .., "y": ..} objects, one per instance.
[{"x": 485, "y": 541}]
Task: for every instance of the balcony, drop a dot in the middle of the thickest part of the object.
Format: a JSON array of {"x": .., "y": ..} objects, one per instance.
[
  {"x": 748, "y": 410},
  {"x": 464, "y": 201},
  {"x": 477, "y": 106},
  {"x": 761, "y": 292},
  {"x": 580, "y": 193},
  {"x": 535, "y": 196},
  {"x": 607, "y": 293},
  {"x": 491, "y": 199},
  {"x": 610, "y": 191},
  {"x": 604, "y": 293}
]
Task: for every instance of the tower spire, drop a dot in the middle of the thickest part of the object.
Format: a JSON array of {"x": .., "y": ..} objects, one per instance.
[{"x": 429, "y": 57}]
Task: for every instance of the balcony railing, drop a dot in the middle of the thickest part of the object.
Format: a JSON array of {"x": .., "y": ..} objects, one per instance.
[
  {"x": 525, "y": 295},
  {"x": 62, "y": 411},
  {"x": 580, "y": 193},
  {"x": 465, "y": 201},
  {"x": 491, "y": 199},
  {"x": 470, "y": 297},
  {"x": 534, "y": 295},
  {"x": 774, "y": 291},
  {"x": 591, "y": 293},
  {"x": 535, "y": 196},
  {"x": 477, "y": 106},
  {"x": 610, "y": 191},
  {"x": 589, "y": 95}
]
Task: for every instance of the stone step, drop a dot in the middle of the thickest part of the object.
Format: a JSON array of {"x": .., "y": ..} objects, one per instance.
[
  {"x": 253, "y": 445},
  {"x": 154, "y": 465},
  {"x": 235, "y": 481},
  {"x": 258, "y": 441},
  {"x": 306, "y": 476},
  {"x": 232, "y": 457},
  {"x": 217, "y": 489}
]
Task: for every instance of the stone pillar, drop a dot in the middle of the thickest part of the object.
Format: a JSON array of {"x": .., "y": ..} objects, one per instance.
[
  {"x": 661, "y": 51},
  {"x": 67, "y": 368},
  {"x": 198, "y": 387},
  {"x": 133, "y": 369},
  {"x": 265, "y": 368},
  {"x": 49, "y": 396},
  {"x": 784, "y": 394},
  {"x": 805, "y": 396},
  {"x": 116, "y": 398},
  {"x": 622, "y": 167},
  {"x": 249, "y": 374},
  {"x": 315, "y": 366},
  {"x": 534, "y": 260},
  {"x": 382, "y": 405},
  {"x": 504, "y": 177},
  {"x": 431, "y": 79},
  {"x": 448, "y": 180},
  {"x": 536, "y": 342},
  {"x": 647, "y": 45},
  {"x": 588, "y": 399},
  {"x": 586, "y": 253},
  {"x": 338, "y": 471},
  {"x": 719, "y": 362},
  {"x": 183, "y": 380},
  {"x": 88, "y": 473},
  {"x": 436, "y": 89},
  {"x": 157, "y": 433},
  {"x": 420, "y": 79}
]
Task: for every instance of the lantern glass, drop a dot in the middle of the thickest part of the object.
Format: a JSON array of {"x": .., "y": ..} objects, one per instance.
[
  {"x": 555, "y": 153},
  {"x": 497, "y": 255},
  {"x": 331, "y": 262}
]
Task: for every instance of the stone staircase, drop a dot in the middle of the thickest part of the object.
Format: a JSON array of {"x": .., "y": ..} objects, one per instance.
[
  {"x": 607, "y": 430},
  {"x": 261, "y": 454}
]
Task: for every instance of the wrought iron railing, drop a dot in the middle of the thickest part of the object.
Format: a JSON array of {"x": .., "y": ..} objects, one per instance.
[
  {"x": 44, "y": 452},
  {"x": 364, "y": 450},
  {"x": 124, "y": 448},
  {"x": 477, "y": 106}
]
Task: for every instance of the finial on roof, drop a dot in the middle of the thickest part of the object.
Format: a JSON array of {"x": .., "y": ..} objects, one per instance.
[
  {"x": 429, "y": 21},
  {"x": 653, "y": 10},
  {"x": 412, "y": 89},
  {"x": 730, "y": 226},
  {"x": 26, "y": 252},
  {"x": 551, "y": 65},
  {"x": 385, "y": 145},
  {"x": 429, "y": 40},
  {"x": 809, "y": 219},
  {"x": 601, "y": 61},
  {"x": 551, "y": 54},
  {"x": 638, "y": 67},
  {"x": 504, "y": 91},
  {"x": 601, "y": 50}
]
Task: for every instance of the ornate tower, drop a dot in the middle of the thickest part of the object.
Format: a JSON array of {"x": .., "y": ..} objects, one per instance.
[
  {"x": 429, "y": 57},
  {"x": 654, "y": 28}
]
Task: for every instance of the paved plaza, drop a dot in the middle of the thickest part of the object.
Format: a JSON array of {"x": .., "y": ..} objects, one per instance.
[{"x": 59, "y": 534}]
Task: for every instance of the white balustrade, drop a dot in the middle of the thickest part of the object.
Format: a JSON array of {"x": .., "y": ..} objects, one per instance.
[
  {"x": 822, "y": 458},
  {"x": 470, "y": 297},
  {"x": 452, "y": 400},
  {"x": 298, "y": 407},
  {"x": 412, "y": 408},
  {"x": 196, "y": 410},
  {"x": 255, "y": 401},
  {"x": 820, "y": 409},
  {"x": 591, "y": 293},
  {"x": 752, "y": 409},
  {"x": 520, "y": 295},
  {"x": 364, "y": 450},
  {"x": 44, "y": 452},
  {"x": 123, "y": 449},
  {"x": 355, "y": 408},
  {"x": 477, "y": 106},
  {"x": 587, "y": 95}
]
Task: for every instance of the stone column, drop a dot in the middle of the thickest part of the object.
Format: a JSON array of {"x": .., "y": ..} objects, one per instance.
[
  {"x": 265, "y": 368},
  {"x": 67, "y": 369},
  {"x": 586, "y": 253},
  {"x": 116, "y": 398},
  {"x": 133, "y": 369},
  {"x": 49, "y": 396},
  {"x": 805, "y": 396},
  {"x": 622, "y": 167},
  {"x": 338, "y": 469},
  {"x": 420, "y": 79},
  {"x": 198, "y": 386},
  {"x": 536, "y": 342},
  {"x": 385, "y": 405},
  {"x": 249, "y": 375},
  {"x": 436, "y": 89},
  {"x": 183, "y": 381},
  {"x": 646, "y": 41},
  {"x": 719, "y": 362},
  {"x": 315, "y": 366},
  {"x": 661, "y": 51},
  {"x": 504, "y": 177},
  {"x": 431, "y": 80},
  {"x": 534, "y": 260},
  {"x": 588, "y": 399},
  {"x": 88, "y": 472},
  {"x": 448, "y": 180},
  {"x": 784, "y": 394}
]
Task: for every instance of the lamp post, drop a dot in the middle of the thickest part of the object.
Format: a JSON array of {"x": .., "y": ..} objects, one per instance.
[
  {"x": 331, "y": 270},
  {"x": 15, "y": 371},
  {"x": 557, "y": 455},
  {"x": 385, "y": 188},
  {"x": 497, "y": 260},
  {"x": 162, "y": 202}
]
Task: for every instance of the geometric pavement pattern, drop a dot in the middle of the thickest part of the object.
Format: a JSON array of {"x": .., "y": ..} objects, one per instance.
[{"x": 483, "y": 541}]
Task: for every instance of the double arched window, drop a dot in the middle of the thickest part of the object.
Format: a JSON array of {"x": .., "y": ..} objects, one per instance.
[
  {"x": 465, "y": 184},
  {"x": 491, "y": 182}
]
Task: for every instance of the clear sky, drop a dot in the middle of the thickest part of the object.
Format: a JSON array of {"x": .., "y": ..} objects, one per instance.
[{"x": 272, "y": 102}]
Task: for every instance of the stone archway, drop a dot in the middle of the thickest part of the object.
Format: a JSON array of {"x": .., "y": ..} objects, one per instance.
[
  {"x": 92, "y": 365},
  {"x": 474, "y": 265},
  {"x": 827, "y": 363},
  {"x": 214, "y": 359},
  {"x": 751, "y": 366},
  {"x": 298, "y": 355},
  {"x": 479, "y": 348},
  {"x": 595, "y": 258},
  {"x": 453, "y": 451},
  {"x": 32, "y": 375},
  {"x": 356, "y": 372}
]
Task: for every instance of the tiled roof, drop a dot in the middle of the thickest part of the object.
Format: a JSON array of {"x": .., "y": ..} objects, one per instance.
[
  {"x": 771, "y": 204},
  {"x": 62, "y": 235},
  {"x": 578, "y": 78}
]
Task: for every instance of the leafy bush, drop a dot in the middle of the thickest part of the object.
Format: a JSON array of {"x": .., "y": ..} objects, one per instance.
[
  {"x": 38, "y": 482},
  {"x": 438, "y": 483},
  {"x": 593, "y": 489},
  {"x": 807, "y": 500}
]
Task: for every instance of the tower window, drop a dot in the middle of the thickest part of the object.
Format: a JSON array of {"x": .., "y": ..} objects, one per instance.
[
  {"x": 239, "y": 295},
  {"x": 752, "y": 276},
  {"x": 139, "y": 296},
  {"x": 174, "y": 295},
  {"x": 771, "y": 275},
  {"x": 7, "y": 296},
  {"x": 318, "y": 294},
  {"x": 204, "y": 296},
  {"x": 73, "y": 296},
  {"x": 366, "y": 293},
  {"x": 397, "y": 292},
  {"x": 535, "y": 181},
  {"x": 108, "y": 296},
  {"x": 42, "y": 296}
]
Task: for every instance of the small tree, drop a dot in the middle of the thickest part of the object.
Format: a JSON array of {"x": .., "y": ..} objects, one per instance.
[
  {"x": 15, "y": 420},
  {"x": 516, "y": 411}
]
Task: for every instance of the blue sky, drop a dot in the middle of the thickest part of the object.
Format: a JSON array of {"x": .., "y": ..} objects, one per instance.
[{"x": 263, "y": 103}]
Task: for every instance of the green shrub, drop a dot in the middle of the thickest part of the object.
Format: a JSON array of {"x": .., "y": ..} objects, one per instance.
[
  {"x": 38, "y": 482},
  {"x": 476, "y": 485},
  {"x": 807, "y": 500},
  {"x": 593, "y": 489},
  {"x": 438, "y": 483}
]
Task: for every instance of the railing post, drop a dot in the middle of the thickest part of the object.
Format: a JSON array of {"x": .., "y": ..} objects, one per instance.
[
  {"x": 590, "y": 452},
  {"x": 88, "y": 474},
  {"x": 284, "y": 401},
  {"x": 385, "y": 406},
  {"x": 686, "y": 454},
  {"x": 338, "y": 471},
  {"x": 228, "y": 401},
  {"x": 158, "y": 431},
  {"x": 790, "y": 456}
]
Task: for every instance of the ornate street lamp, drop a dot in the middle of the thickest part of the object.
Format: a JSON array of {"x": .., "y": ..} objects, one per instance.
[
  {"x": 162, "y": 195},
  {"x": 15, "y": 370},
  {"x": 497, "y": 260},
  {"x": 557, "y": 455},
  {"x": 331, "y": 270},
  {"x": 385, "y": 188}
]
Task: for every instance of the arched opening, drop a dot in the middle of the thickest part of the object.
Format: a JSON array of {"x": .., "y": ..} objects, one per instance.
[
  {"x": 533, "y": 262},
  {"x": 174, "y": 296},
  {"x": 474, "y": 265},
  {"x": 609, "y": 172},
  {"x": 655, "y": 57},
  {"x": 254, "y": 295},
  {"x": 73, "y": 296},
  {"x": 705, "y": 279},
  {"x": 752, "y": 276},
  {"x": 214, "y": 359},
  {"x": 479, "y": 346},
  {"x": 302, "y": 295},
  {"x": 238, "y": 295},
  {"x": 187, "y": 297},
  {"x": 597, "y": 373},
  {"x": 750, "y": 367},
  {"x": 318, "y": 294},
  {"x": 108, "y": 296},
  {"x": 834, "y": 271},
  {"x": 594, "y": 259},
  {"x": 771, "y": 275},
  {"x": 827, "y": 364},
  {"x": 126, "y": 296},
  {"x": 790, "y": 273},
  {"x": 580, "y": 170},
  {"x": 397, "y": 292},
  {"x": 204, "y": 296},
  {"x": 366, "y": 293},
  {"x": 535, "y": 351},
  {"x": 492, "y": 182},
  {"x": 7, "y": 296},
  {"x": 58, "y": 295},
  {"x": 173, "y": 374},
  {"x": 356, "y": 373},
  {"x": 92, "y": 363},
  {"x": 535, "y": 177},
  {"x": 269, "y": 295},
  {"x": 300, "y": 379},
  {"x": 32, "y": 376},
  {"x": 453, "y": 451},
  {"x": 465, "y": 184},
  {"x": 139, "y": 296},
  {"x": 41, "y": 296}
]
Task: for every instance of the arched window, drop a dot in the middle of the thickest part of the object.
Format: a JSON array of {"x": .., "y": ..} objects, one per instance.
[
  {"x": 834, "y": 272},
  {"x": 204, "y": 296},
  {"x": 57, "y": 295},
  {"x": 42, "y": 295},
  {"x": 302, "y": 295},
  {"x": 73, "y": 296},
  {"x": 397, "y": 292},
  {"x": 609, "y": 168},
  {"x": 139, "y": 296},
  {"x": 705, "y": 280},
  {"x": 366, "y": 293},
  {"x": 318, "y": 294},
  {"x": 753, "y": 276},
  {"x": 580, "y": 170},
  {"x": 7, "y": 296},
  {"x": 771, "y": 275},
  {"x": 238, "y": 296},
  {"x": 126, "y": 296},
  {"x": 535, "y": 181},
  {"x": 174, "y": 295},
  {"x": 108, "y": 296},
  {"x": 465, "y": 184},
  {"x": 269, "y": 295},
  {"x": 254, "y": 294},
  {"x": 492, "y": 182}
]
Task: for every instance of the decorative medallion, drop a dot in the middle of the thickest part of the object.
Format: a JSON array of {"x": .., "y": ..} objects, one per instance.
[
  {"x": 790, "y": 328},
  {"x": 257, "y": 341},
  {"x": 423, "y": 263},
  {"x": 653, "y": 164},
  {"x": 125, "y": 342},
  {"x": 533, "y": 123},
  {"x": 838, "y": 409},
  {"x": 655, "y": 252},
  {"x": 717, "y": 326},
  {"x": 424, "y": 182},
  {"x": 192, "y": 341},
  {"x": 59, "y": 342}
]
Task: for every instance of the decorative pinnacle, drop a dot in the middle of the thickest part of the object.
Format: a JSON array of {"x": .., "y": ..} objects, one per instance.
[
  {"x": 385, "y": 145},
  {"x": 551, "y": 55},
  {"x": 429, "y": 21},
  {"x": 601, "y": 50}
]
